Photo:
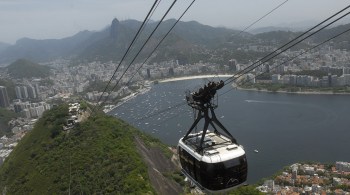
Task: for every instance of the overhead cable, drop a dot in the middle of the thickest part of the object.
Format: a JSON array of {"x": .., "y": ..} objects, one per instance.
[
  {"x": 160, "y": 43},
  {"x": 273, "y": 54},
  {"x": 246, "y": 28},
  {"x": 127, "y": 51},
  {"x": 290, "y": 59},
  {"x": 149, "y": 37},
  {"x": 184, "y": 103}
]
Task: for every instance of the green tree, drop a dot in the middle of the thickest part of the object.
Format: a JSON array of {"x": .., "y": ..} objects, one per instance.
[
  {"x": 97, "y": 156},
  {"x": 246, "y": 190}
]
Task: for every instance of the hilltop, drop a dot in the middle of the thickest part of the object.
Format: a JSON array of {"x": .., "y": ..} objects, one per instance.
[
  {"x": 96, "y": 156},
  {"x": 101, "y": 155},
  {"x": 23, "y": 68}
]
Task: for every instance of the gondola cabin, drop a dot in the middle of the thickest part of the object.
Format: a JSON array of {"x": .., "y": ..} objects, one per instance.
[
  {"x": 220, "y": 166},
  {"x": 213, "y": 161}
]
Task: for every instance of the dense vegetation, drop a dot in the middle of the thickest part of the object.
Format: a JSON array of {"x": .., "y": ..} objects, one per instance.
[
  {"x": 23, "y": 68},
  {"x": 97, "y": 156},
  {"x": 264, "y": 76},
  {"x": 319, "y": 73},
  {"x": 5, "y": 117},
  {"x": 246, "y": 190}
]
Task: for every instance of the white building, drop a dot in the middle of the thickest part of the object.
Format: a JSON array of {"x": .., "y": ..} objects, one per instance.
[
  {"x": 342, "y": 166},
  {"x": 344, "y": 80},
  {"x": 18, "y": 92},
  {"x": 346, "y": 70},
  {"x": 249, "y": 78},
  {"x": 26, "y": 113},
  {"x": 336, "y": 181},
  {"x": 276, "y": 78},
  {"x": 309, "y": 170}
]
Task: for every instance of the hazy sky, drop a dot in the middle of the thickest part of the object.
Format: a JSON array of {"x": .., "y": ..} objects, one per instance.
[{"x": 43, "y": 19}]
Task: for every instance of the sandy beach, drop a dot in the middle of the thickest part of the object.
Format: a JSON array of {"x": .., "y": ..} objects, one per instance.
[
  {"x": 193, "y": 77},
  {"x": 144, "y": 90}
]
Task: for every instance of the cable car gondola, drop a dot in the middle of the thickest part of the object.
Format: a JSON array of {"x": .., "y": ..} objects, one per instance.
[{"x": 213, "y": 161}]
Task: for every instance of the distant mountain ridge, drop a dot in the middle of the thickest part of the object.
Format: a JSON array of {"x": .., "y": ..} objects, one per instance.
[
  {"x": 3, "y": 46},
  {"x": 270, "y": 29},
  {"x": 43, "y": 50},
  {"x": 189, "y": 42}
]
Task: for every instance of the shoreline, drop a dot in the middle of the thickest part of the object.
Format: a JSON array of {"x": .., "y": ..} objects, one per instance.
[
  {"x": 253, "y": 89},
  {"x": 193, "y": 77},
  {"x": 144, "y": 90},
  {"x": 298, "y": 92},
  {"x": 126, "y": 99}
]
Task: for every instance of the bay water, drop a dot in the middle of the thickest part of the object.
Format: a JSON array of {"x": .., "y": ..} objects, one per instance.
[{"x": 284, "y": 128}]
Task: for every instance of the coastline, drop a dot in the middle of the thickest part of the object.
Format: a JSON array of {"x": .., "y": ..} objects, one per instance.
[
  {"x": 126, "y": 99},
  {"x": 193, "y": 77},
  {"x": 253, "y": 89},
  {"x": 144, "y": 90},
  {"x": 297, "y": 92}
]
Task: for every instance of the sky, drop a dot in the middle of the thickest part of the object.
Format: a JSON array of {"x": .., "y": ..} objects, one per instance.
[{"x": 52, "y": 19}]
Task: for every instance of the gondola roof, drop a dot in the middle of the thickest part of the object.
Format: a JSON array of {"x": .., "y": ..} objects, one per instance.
[{"x": 216, "y": 148}]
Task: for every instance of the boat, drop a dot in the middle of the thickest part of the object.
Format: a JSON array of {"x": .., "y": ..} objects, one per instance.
[{"x": 256, "y": 151}]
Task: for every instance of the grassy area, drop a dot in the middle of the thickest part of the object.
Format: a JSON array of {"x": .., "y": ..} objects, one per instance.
[
  {"x": 246, "y": 190},
  {"x": 97, "y": 156}
]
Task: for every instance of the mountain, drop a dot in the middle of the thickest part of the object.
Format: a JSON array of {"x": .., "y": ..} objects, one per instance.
[
  {"x": 23, "y": 68},
  {"x": 109, "y": 44},
  {"x": 277, "y": 36},
  {"x": 112, "y": 42},
  {"x": 3, "y": 46},
  {"x": 186, "y": 39},
  {"x": 269, "y": 29},
  {"x": 44, "y": 50},
  {"x": 189, "y": 42},
  {"x": 342, "y": 42},
  {"x": 287, "y": 26},
  {"x": 282, "y": 37},
  {"x": 101, "y": 155},
  {"x": 97, "y": 156}
]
